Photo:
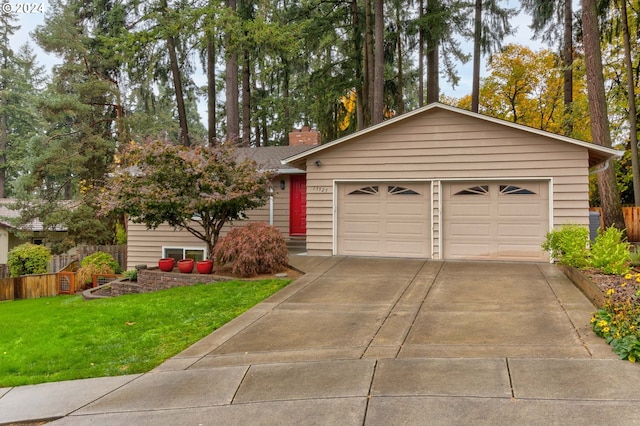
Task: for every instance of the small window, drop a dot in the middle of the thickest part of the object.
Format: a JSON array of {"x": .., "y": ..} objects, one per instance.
[
  {"x": 474, "y": 190},
  {"x": 399, "y": 190},
  {"x": 367, "y": 190},
  {"x": 514, "y": 190},
  {"x": 179, "y": 253}
]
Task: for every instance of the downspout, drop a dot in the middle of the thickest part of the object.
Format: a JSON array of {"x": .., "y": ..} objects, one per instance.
[
  {"x": 601, "y": 169},
  {"x": 271, "y": 207}
]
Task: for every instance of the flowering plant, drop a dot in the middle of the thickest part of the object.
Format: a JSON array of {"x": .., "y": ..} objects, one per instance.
[{"x": 618, "y": 321}]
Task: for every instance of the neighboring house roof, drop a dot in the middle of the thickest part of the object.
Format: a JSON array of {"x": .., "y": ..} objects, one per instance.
[
  {"x": 270, "y": 157},
  {"x": 597, "y": 154},
  {"x": 6, "y": 213}
]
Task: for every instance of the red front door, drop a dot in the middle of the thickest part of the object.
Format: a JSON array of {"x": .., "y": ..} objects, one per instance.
[{"x": 298, "y": 205}]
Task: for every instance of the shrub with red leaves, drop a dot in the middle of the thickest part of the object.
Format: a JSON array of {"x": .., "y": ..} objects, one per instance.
[{"x": 256, "y": 248}]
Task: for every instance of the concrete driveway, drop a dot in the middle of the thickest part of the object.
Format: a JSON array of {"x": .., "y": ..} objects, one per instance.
[{"x": 377, "y": 341}]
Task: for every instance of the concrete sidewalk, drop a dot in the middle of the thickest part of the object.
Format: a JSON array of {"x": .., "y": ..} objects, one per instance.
[{"x": 376, "y": 341}]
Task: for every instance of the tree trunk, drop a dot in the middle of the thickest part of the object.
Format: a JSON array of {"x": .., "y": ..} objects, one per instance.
[
  {"x": 369, "y": 62},
  {"x": 246, "y": 100},
  {"x": 359, "y": 61},
  {"x": 378, "y": 91},
  {"x": 211, "y": 90},
  {"x": 567, "y": 62},
  {"x": 607, "y": 185},
  {"x": 477, "y": 35},
  {"x": 231, "y": 89},
  {"x": 3, "y": 144},
  {"x": 433, "y": 73},
  {"x": 421, "y": 58},
  {"x": 433, "y": 65},
  {"x": 633, "y": 132},
  {"x": 177, "y": 84},
  {"x": 400, "y": 70}
]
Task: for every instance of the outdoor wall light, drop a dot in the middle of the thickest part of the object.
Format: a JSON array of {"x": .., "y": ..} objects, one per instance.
[
  {"x": 317, "y": 163},
  {"x": 282, "y": 184}
]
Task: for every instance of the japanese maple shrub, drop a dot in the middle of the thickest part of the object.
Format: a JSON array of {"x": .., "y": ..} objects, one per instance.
[
  {"x": 256, "y": 248},
  {"x": 198, "y": 189}
]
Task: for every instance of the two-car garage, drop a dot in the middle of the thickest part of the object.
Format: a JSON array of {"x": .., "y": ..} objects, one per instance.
[
  {"x": 445, "y": 183},
  {"x": 490, "y": 220}
]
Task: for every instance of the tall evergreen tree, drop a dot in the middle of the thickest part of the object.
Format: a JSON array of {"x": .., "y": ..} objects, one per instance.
[
  {"x": 490, "y": 28},
  {"x": 7, "y": 77},
  {"x": 607, "y": 186}
]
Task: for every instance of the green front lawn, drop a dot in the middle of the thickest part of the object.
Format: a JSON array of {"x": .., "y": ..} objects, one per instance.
[{"x": 65, "y": 338}]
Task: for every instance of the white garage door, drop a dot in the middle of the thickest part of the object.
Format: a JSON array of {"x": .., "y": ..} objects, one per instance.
[
  {"x": 495, "y": 220},
  {"x": 384, "y": 219}
]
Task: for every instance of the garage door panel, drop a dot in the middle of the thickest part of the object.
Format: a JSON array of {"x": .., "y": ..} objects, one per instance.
[
  {"x": 406, "y": 211},
  {"x": 371, "y": 208},
  {"x": 384, "y": 219},
  {"x": 519, "y": 210},
  {"x": 519, "y": 252},
  {"x": 470, "y": 229},
  {"x": 519, "y": 230},
  {"x": 495, "y": 220},
  {"x": 401, "y": 230},
  {"x": 368, "y": 228},
  {"x": 400, "y": 248},
  {"x": 469, "y": 210},
  {"x": 361, "y": 248},
  {"x": 470, "y": 251}
]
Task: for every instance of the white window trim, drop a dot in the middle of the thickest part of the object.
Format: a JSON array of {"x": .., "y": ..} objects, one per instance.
[{"x": 185, "y": 248}]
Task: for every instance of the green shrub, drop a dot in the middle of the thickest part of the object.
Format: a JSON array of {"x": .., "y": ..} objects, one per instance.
[
  {"x": 610, "y": 253},
  {"x": 256, "y": 248},
  {"x": 131, "y": 274},
  {"x": 569, "y": 245},
  {"x": 97, "y": 263},
  {"x": 28, "y": 259}
]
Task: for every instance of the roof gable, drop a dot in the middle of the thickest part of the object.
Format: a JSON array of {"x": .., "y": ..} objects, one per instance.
[{"x": 597, "y": 154}]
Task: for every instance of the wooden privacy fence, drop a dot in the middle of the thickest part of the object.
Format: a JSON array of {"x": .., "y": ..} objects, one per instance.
[
  {"x": 631, "y": 221},
  {"x": 29, "y": 287},
  {"x": 41, "y": 285}
]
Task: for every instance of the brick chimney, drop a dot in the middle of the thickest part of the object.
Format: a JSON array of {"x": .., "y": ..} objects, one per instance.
[{"x": 304, "y": 136}]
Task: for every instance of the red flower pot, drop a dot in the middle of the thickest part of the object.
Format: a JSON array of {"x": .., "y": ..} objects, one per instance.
[
  {"x": 166, "y": 264},
  {"x": 185, "y": 266},
  {"x": 204, "y": 266}
]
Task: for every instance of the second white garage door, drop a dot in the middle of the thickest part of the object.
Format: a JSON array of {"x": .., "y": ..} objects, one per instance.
[
  {"x": 384, "y": 219},
  {"x": 495, "y": 220}
]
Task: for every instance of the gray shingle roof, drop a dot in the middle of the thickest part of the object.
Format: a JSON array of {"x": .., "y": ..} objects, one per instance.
[
  {"x": 269, "y": 157},
  {"x": 6, "y": 213}
]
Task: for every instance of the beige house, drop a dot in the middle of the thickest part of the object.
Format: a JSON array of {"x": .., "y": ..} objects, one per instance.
[
  {"x": 435, "y": 183},
  {"x": 286, "y": 209},
  {"x": 445, "y": 183}
]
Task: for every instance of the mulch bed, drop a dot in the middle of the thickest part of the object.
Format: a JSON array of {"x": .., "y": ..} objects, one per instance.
[{"x": 625, "y": 288}]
